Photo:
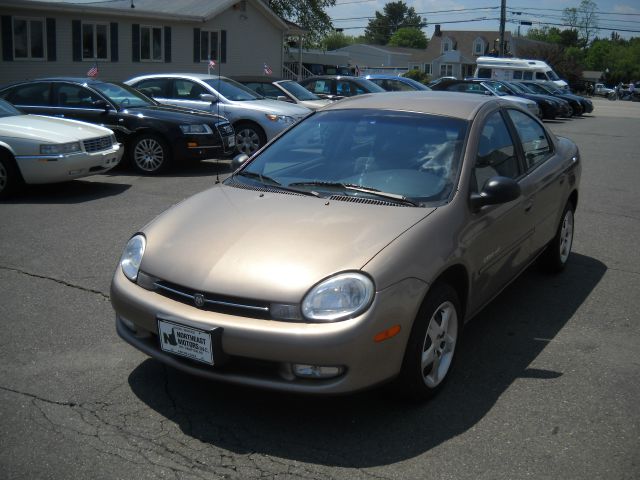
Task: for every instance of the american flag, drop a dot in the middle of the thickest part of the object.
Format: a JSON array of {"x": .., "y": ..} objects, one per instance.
[
  {"x": 93, "y": 71},
  {"x": 267, "y": 69},
  {"x": 212, "y": 63}
]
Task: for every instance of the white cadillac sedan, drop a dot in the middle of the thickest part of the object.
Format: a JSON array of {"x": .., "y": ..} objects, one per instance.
[{"x": 36, "y": 149}]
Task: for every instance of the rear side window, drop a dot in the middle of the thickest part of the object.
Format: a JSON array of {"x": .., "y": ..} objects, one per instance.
[
  {"x": 517, "y": 74},
  {"x": 33, "y": 94},
  {"x": 527, "y": 75},
  {"x": 535, "y": 143},
  {"x": 484, "y": 73},
  {"x": 541, "y": 76}
]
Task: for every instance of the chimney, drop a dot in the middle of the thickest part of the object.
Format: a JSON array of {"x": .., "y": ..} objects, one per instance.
[{"x": 438, "y": 32}]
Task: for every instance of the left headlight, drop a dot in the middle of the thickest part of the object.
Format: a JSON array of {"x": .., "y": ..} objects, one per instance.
[
  {"x": 58, "y": 148},
  {"x": 202, "y": 129},
  {"x": 339, "y": 297},
  {"x": 280, "y": 118},
  {"x": 132, "y": 256}
]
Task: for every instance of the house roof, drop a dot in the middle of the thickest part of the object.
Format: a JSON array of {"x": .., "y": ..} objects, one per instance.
[{"x": 177, "y": 10}]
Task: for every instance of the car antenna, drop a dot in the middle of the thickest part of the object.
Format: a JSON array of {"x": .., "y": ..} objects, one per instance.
[{"x": 218, "y": 113}]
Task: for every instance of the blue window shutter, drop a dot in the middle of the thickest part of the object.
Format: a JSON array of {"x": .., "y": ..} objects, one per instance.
[
  {"x": 167, "y": 44},
  {"x": 7, "y": 38},
  {"x": 196, "y": 45},
  {"x": 135, "y": 42},
  {"x": 76, "y": 38},
  {"x": 51, "y": 39},
  {"x": 114, "y": 41}
]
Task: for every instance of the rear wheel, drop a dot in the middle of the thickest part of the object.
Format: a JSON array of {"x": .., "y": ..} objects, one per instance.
[
  {"x": 557, "y": 253},
  {"x": 431, "y": 349},
  {"x": 10, "y": 178},
  {"x": 149, "y": 154}
]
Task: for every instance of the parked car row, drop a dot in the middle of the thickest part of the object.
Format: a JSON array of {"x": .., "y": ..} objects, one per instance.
[{"x": 550, "y": 101}]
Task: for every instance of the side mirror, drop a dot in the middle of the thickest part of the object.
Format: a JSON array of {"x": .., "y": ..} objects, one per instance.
[
  {"x": 282, "y": 98},
  {"x": 100, "y": 103},
  {"x": 495, "y": 191},
  {"x": 238, "y": 161},
  {"x": 207, "y": 97}
]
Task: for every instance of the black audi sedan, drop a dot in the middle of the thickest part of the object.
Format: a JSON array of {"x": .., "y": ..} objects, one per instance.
[{"x": 155, "y": 136}]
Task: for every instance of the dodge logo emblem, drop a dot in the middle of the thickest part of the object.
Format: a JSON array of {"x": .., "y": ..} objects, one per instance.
[{"x": 198, "y": 298}]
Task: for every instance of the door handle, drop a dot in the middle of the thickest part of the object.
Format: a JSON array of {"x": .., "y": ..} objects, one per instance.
[{"x": 528, "y": 204}]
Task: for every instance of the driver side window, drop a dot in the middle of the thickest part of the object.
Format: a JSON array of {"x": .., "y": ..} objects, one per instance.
[{"x": 496, "y": 153}]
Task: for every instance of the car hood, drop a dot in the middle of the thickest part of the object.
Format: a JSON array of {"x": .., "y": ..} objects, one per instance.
[
  {"x": 267, "y": 246},
  {"x": 49, "y": 129},
  {"x": 274, "y": 106},
  {"x": 172, "y": 113}
]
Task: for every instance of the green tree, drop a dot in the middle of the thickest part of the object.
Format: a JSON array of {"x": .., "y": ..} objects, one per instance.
[
  {"x": 395, "y": 15},
  {"x": 309, "y": 14},
  {"x": 584, "y": 20},
  {"x": 336, "y": 40},
  {"x": 408, "y": 37}
]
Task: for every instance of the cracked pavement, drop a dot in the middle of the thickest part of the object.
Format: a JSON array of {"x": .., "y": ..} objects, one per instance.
[{"x": 545, "y": 384}]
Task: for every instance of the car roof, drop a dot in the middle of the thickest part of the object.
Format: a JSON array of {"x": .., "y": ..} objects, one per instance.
[
  {"x": 451, "y": 104},
  {"x": 84, "y": 80},
  {"x": 199, "y": 76},
  {"x": 255, "y": 78}
]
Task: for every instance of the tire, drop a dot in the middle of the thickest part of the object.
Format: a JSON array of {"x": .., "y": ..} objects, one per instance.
[
  {"x": 249, "y": 137},
  {"x": 555, "y": 257},
  {"x": 149, "y": 154},
  {"x": 431, "y": 348},
  {"x": 10, "y": 178}
]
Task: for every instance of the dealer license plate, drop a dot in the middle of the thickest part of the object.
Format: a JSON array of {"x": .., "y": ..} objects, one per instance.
[
  {"x": 185, "y": 341},
  {"x": 231, "y": 141}
]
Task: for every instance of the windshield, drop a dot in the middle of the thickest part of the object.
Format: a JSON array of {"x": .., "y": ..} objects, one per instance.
[
  {"x": 8, "y": 110},
  {"x": 496, "y": 88},
  {"x": 410, "y": 156},
  {"x": 123, "y": 96},
  {"x": 298, "y": 91},
  {"x": 552, "y": 75},
  {"x": 232, "y": 90},
  {"x": 518, "y": 88}
]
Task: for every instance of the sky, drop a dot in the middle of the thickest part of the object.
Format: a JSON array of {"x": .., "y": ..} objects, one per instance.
[{"x": 353, "y": 15}]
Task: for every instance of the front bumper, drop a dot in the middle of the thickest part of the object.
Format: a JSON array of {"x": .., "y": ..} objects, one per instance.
[
  {"x": 36, "y": 169},
  {"x": 260, "y": 352}
]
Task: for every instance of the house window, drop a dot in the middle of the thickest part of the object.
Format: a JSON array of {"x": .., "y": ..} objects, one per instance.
[
  {"x": 427, "y": 68},
  {"x": 478, "y": 47},
  {"x": 209, "y": 45},
  {"x": 28, "y": 38},
  {"x": 446, "y": 70},
  {"x": 95, "y": 41},
  {"x": 447, "y": 45},
  {"x": 150, "y": 43}
]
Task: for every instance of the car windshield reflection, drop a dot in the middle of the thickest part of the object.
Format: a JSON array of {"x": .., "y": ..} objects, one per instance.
[
  {"x": 398, "y": 157},
  {"x": 232, "y": 90}
]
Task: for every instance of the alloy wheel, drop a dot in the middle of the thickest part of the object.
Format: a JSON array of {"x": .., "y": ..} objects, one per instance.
[
  {"x": 248, "y": 140},
  {"x": 4, "y": 177},
  {"x": 439, "y": 344},
  {"x": 566, "y": 235},
  {"x": 148, "y": 154}
]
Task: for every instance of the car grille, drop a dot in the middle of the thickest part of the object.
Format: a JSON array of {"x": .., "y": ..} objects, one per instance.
[
  {"x": 97, "y": 144},
  {"x": 225, "y": 129},
  {"x": 213, "y": 302}
]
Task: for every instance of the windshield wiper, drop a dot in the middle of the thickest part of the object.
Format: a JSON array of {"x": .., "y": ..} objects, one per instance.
[
  {"x": 270, "y": 181},
  {"x": 358, "y": 188}
]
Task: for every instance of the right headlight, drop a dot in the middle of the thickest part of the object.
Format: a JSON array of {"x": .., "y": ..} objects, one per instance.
[
  {"x": 132, "y": 256},
  {"x": 339, "y": 297}
]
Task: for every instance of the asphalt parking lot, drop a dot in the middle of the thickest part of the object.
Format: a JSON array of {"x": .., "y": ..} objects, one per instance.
[{"x": 546, "y": 385}]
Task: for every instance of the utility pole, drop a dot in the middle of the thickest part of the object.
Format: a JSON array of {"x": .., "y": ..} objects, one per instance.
[{"x": 503, "y": 19}]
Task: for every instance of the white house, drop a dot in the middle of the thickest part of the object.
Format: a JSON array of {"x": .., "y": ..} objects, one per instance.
[{"x": 132, "y": 37}]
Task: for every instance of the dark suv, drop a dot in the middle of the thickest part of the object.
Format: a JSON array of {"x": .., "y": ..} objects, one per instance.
[{"x": 155, "y": 136}]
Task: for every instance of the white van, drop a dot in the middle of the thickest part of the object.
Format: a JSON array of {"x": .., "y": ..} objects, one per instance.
[{"x": 516, "y": 69}]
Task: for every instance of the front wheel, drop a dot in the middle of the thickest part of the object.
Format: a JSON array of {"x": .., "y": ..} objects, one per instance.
[
  {"x": 431, "y": 348},
  {"x": 249, "y": 138},
  {"x": 10, "y": 178},
  {"x": 149, "y": 154},
  {"x": 557, "y": 253}
]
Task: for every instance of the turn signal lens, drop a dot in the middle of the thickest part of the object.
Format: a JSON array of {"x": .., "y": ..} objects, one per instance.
[{"x": 387, "y": 334}]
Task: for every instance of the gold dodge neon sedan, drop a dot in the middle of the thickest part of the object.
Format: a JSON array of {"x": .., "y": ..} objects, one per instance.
[{"x": 352, "y": 249}]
